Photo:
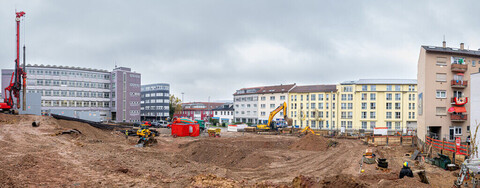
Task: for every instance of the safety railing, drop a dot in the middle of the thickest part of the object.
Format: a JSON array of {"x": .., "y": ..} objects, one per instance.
[{"x": 459, "y": 149}]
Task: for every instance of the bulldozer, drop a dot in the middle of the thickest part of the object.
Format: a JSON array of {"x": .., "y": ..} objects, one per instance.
[
  {"x": 147, "y": 137},
  {"x": 271, "y": 126}
]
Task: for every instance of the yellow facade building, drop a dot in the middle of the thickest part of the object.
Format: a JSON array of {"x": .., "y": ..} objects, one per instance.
[{"x": 353, "y": 105}]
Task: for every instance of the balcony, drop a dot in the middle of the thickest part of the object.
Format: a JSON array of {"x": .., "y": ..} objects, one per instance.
[
  {"x": 458, "y": 117},
  {"x": 459, "y": 67},
  {"x": 459, "y": 101},
  {"x": 460, "y": 84}
]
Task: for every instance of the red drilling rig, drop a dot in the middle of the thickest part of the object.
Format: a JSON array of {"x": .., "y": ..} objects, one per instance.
[{"x": 19, "y": 77}]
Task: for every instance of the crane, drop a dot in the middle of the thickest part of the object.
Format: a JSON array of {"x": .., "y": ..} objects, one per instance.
[
  {"x": 18, "y": 79},
  {"x": 271, "y": 125}
]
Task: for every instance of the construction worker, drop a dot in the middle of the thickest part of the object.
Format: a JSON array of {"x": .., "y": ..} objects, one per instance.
[
  {"x": 406, "y": 171},
  {"x": 126, "y": 134}
]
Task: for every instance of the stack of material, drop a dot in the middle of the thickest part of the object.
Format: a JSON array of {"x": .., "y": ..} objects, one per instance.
[
  {"x": 368, "y": 157},
  {"x": 382, "y": 163}
]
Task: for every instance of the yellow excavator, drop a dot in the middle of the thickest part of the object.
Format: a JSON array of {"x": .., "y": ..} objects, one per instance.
[{"x": 271, "y": 124}]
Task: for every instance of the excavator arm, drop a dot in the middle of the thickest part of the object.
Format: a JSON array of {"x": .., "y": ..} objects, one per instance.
[{"x": 275, "y": 112}]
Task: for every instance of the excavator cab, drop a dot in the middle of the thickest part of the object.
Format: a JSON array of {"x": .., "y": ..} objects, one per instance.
[{"x": 271, "y": 125}]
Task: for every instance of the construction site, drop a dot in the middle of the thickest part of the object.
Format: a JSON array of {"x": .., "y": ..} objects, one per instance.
[{"x": 61, "y": 153}]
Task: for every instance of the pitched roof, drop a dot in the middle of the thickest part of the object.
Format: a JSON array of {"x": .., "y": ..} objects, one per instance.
[
  {"x": 265, "y": 89},
  {"x": 380, "y": 81},
  {"x": 314, "y": 88},
  {"x": 449, "y": 50}
]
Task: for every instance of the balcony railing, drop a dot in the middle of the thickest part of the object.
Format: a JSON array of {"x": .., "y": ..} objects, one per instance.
[
  {"x": 459, "y": 67},
  {"x": 458, "y": 117},
  {"x": 459, "y": 83},
  {"x": 460, "y": 100}
]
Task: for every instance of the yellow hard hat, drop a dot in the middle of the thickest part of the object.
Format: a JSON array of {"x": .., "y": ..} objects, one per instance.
[
  {"x": 363, "y": 171},
  {"x": 405, "y": 164}
]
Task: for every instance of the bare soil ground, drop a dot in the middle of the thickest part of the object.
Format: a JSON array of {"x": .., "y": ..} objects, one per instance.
[{"x": 32, "y": 157}]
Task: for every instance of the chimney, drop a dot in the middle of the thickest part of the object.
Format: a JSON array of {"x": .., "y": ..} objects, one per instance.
[
  {"x": 444, "y": 44},
  {"x": 462, "y": 46}
]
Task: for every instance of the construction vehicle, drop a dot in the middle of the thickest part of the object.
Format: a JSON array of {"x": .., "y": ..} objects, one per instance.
[
  {"x": 307, "y": 130},
  {"x": 468, "y": 170},
  {"x": 18, "y": 79},
  {"x": 147, "y": 137},
  {"x": 214, "y": 132},
  {"x": 271, "y": 124}
]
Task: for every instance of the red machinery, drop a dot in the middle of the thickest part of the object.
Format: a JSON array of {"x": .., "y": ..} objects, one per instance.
[{"x": 19, "y": 76}]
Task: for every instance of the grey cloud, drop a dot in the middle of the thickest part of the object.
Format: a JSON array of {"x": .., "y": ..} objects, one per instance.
[{"x": 212, "y": 48}]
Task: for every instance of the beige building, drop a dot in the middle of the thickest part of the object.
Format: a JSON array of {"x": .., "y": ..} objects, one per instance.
[
  {"x": 353, "y": 105},
  {"x": 443, "y": 88}
]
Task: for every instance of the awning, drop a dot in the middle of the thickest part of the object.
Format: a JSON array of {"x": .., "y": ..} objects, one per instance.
[
  {"x": 456, "y": 109},
  {"x": 215, "y": 117}
]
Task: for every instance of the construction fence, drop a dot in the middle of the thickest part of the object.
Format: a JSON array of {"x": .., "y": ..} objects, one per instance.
[
  {"x": 391, "y": 140},
  {"x": 457, "y": 151}
]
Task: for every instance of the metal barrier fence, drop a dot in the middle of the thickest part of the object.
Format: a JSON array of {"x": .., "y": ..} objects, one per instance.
[{"x": 448, "y": 146}]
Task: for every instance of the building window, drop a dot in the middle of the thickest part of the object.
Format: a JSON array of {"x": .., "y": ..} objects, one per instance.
[
  {"x": 364, "y": 96},
  {"x": 313, "y": 97},
  {"x": 458, "y": 131},
  {"x": 398, "y": 88},
  {"x": 372, "y": 124},
  {"x": 364, "y": 125},
  {"x": 344, "y": 97},
  {"x": 313, "y": 105},
  {"x": 389, "y": 106},
  {"x": 441, "y": 94},
  {"x": 441, "y": 61},
  {"x": 347, "y": 89},
  {"x": 262, "y": 98},
  {"x": 373, "y": 115},
  {"x": 272, "y": 105},
  {"x": 389, "y": 87},
  {"x": 320, "y": 97},
  {"x": 373, "y": 88},
  {"x": 373, "y": 106},
  {"x": 344, "y": 106},
  {"x": 397, "y": 96},
  {"x": 389, "y": 125},
  {"x": 441, "y": 77},
  {"x": 364, "y": 105},
  {"x": 473, "y": 63},
  {"x": 389, "y": 96},
  {"x": 272, "y": 98},
  {"x": 397, "y": 115},
  {"x": 441, "y": 111},
  {"x": 364, "y": 88},
  {"x": 350, "y": 106},
  {"x": 320, "y": 106},
  {"x": 397, "y": 106},
  {"x": 350, "y": 97},
  {"x": 349, "y": 124},
  {"x": 373, "y": 96},
  {"x": 389, "y": 115},
  {"x": 364, "y": 115}
]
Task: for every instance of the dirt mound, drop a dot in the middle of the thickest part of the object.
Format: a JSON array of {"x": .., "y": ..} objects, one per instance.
[
  {"x": 88, "y": 131},
  {"x": 8, "y": 119},
  {"x": 6, "y": 180},
  {"x": 310, "y": 142},
  {"x": 342, "y": 180},
  {"x": 404, "y": 183},
  {"x": 27, "y": 161},
  {"x": 232, "y": 152},
  {"x": 304, "y": 181},
  {"x": 212, "y": 181}
]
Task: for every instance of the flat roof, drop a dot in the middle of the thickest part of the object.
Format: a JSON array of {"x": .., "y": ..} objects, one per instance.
[{"x": 380, "y": 81}]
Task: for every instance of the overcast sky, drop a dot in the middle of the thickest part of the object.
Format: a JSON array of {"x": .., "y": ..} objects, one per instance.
[{"x": 212, "y": 48}]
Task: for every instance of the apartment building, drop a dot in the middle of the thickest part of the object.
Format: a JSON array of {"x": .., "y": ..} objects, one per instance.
[
  {"x": 155, "y": 99},
  {"x": 444, "y": 91},
  {"x": 369, "y": 103},
  {"x": 197, "y": 110},
  {"x": 86, "y": 93},
  {"x": 271, "y": 97},
  {"x": 313, "y": 105},
  {"x": 253, "y": 105},
  {"x": 224, "y": 113}
]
